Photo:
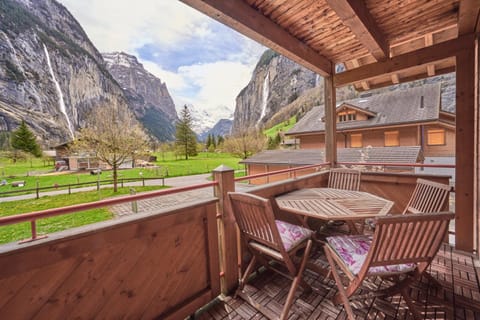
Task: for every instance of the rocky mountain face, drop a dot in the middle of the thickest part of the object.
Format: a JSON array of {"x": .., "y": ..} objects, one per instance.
[
  {"x": 222, "y": 128},
  {"x": 147, "y": 95},
  {"x": 276, "y": 82},
  {"x": 51, "y": 75}
]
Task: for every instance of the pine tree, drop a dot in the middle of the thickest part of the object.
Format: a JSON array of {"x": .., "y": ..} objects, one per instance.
[
  {"x": 220, "y": 140},
  {"x": 185, "y": 138},
  {"x": 209, "y": 141},
  {"x": 24, "y": 140}
]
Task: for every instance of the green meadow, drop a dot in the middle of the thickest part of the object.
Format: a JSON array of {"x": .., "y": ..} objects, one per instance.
[{"x": 38, "y": 171}]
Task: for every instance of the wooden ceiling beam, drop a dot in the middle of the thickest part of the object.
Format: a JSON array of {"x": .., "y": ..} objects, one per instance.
[
  {"x": 365, "y": 85},
  {"x": 429, "y": 42},
  {"x": 419, "y": 57},
  {"x": 468, "y": 17},
  {"x": 238, "y": 15},
  {"x": 357, "y": 17},
  {"x": 411, "y": 78},
  {"x": 395, "y": 78}
]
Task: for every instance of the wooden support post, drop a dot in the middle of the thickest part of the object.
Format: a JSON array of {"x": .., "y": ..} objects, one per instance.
[
  {"x": 227, "y": 232},
  {"x": 476, "y": 234},
  {"x": 330, "y": 122},
  {"x": 465, "y": 145}
]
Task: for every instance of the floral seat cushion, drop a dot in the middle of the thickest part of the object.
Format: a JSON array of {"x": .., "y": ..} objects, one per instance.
[
  {"x": 353, "y": 251},
  {"x": 291, "y": 234}
]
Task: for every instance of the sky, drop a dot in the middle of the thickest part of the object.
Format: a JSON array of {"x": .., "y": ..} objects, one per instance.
[{"x": 204, "y": 63}]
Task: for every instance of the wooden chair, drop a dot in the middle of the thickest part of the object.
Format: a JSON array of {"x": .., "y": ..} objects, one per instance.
[
  {"x": 269, "y": 239},
  {"x": 401, "y": 245},
  {"x": 428, "y": 196},
  {"x": 346, "y": 179}
]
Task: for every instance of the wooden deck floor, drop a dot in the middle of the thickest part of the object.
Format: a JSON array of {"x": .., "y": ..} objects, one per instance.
[{"x": 455, "y": 271}]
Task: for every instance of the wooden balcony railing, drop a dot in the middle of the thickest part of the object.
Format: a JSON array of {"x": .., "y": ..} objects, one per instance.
[{"x": 164, "y": 264}]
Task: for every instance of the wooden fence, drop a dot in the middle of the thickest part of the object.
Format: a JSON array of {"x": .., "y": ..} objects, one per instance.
[{"x": 68, "y": 187}]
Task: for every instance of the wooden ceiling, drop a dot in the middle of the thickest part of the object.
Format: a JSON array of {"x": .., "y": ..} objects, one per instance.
[{"x": 378, "y": 34}]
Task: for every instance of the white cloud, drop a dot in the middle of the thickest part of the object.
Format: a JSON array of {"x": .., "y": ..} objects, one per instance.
[
  {"x": 122, "y": 25},
  {"x": 169, "y": 26},
  {"x": 219, "y": 83}
]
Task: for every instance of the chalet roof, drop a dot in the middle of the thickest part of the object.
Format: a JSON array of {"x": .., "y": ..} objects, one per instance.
[
  {"x": 403, "y": 154},
  {"x": 418, "y": 104}
]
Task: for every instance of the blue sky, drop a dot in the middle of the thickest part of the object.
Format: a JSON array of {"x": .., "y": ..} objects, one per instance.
[{"x": 203, "y": 62}]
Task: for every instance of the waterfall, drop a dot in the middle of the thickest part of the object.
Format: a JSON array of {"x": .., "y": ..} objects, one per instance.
[
  {"x": 265, "y": 93},
  {"x": 317, "y": 79},
  {"x": 59, "y": 92}
]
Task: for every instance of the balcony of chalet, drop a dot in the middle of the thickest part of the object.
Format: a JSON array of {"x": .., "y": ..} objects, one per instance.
[
  {"x": 184, "y": 260},
  {"x": 176, "y": 262}
]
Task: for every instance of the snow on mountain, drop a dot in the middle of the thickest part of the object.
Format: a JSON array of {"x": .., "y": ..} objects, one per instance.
[{"x": 204, "y": 120}]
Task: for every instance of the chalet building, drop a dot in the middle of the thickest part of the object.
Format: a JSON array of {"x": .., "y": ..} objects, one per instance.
[
  {"x": 273, "y": 160},
  {"x": 398, "y": 127},
  {"x": 411, "y": 117}
]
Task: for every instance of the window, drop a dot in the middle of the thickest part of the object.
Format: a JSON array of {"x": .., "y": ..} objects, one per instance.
[
  {"x": 356, "y": 140},
  {"x": 435, "y": 137},
  {"x": 347, "y": 116},
  {"x": 392, "y": 139}
]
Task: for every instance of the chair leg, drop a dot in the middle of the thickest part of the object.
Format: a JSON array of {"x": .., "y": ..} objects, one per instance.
[
  {"x": 342, "y": 294},
  {"x": 249, "y": 270},
  {"x": 411, "y": 306},
  {"x": 296, "y": 281}
]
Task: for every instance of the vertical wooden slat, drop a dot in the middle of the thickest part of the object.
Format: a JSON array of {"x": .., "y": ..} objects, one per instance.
[
  {"x": 330, "y": 122},
  {"x": 227, "y": 230},
  {"x": 465, "y": 149},
  {"x": 476, "y": 141}
]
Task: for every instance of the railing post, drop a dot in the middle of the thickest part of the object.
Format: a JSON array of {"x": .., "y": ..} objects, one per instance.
[
  {"x": 227, "y": 232},
  {"x": 134, "y": 203}
]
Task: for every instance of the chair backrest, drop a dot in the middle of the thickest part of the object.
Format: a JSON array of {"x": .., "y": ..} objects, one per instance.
[
  {"x": 428, "y": 196},
  {"x": 412, "y": 238},
  {"x": 346, "y": 179},
  {"x": 255, "y": 219}
]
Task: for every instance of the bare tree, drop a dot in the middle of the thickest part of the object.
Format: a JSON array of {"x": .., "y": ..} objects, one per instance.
[
  {"x": 113, "y": 135},
  {"x": 245, "y": 143}
]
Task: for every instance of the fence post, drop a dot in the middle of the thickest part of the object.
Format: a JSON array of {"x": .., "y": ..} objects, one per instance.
[
  {"x": 134, "y": 203},
  {"x": 98, "y": 185},
  {"x": 122, "y": 182},
  {"x": 227, "y": 232},
  {"x": 69, "y": 189},
  {"x": 143, "y": 182},
  {"x": 38, "y": 191}
]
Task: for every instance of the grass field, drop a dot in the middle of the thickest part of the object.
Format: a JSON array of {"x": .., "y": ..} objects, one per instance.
[
  {"x": 36, "y": 172},
  {"x": 22, "y": 231},
  {"x": 283, "y": 127}
]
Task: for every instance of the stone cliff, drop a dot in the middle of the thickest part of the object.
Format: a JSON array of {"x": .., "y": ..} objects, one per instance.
[
  {"x": 147, "y": 95},
  {"x": 50, "y": 73},
  {"x": 276, "y": 82}
]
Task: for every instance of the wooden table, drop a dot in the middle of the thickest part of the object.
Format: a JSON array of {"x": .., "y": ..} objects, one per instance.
[{"x": 334, "y": 204}]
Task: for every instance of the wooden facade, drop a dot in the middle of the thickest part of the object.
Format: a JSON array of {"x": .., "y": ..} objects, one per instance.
[
  {"x": 414, "y": 135},
  {"x": 376, "y": 121}
]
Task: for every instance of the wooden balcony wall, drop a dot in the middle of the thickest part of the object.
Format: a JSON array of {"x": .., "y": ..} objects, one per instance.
[{"x": 145, "y": 266}]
